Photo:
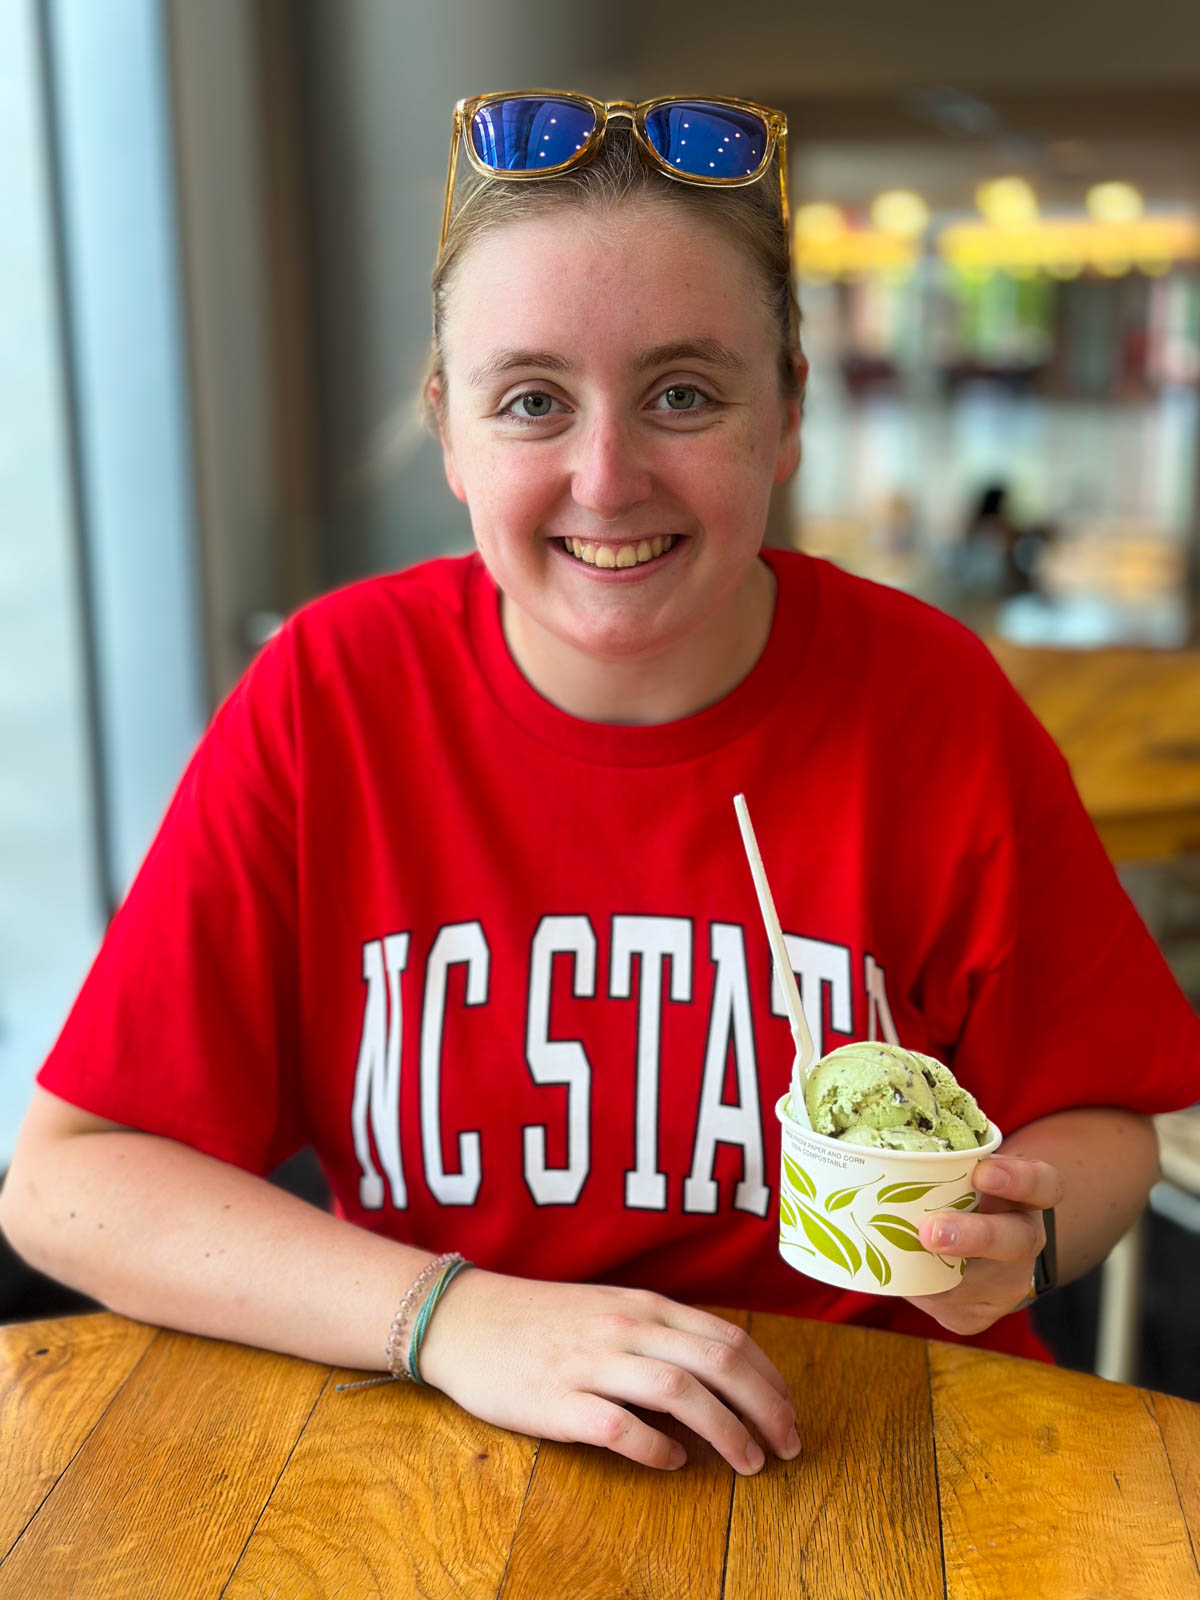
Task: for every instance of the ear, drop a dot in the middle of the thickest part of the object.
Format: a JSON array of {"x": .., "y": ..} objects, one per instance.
[
  {"x": 788, "y": 457},
  {"x": 435, "y": 392}
]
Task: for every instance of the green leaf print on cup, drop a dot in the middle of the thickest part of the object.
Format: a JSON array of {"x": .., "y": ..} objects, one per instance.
[
  {"x": 842, "y": 1197},
  {"x": 830, "y": 1241},
  {"x": 896, "y": 1230},
  {"x": 786, "y": 1214},
  {"x": 963, "y": 1203},
  {"x": 903, "y": 1194},
  {"x": 878, "y": 1266},
  {"x": 799, "y": 1179}
]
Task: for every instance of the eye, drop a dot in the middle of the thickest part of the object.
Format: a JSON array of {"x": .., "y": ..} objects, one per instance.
[
  {"x": 530, "y": 407},
  {"x": 683, "y": 397}
]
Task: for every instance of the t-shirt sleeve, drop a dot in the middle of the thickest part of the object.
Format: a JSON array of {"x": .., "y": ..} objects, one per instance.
[
  {"x": 1079, "y": 1007},
  {"x": 187, "y": 1023}
]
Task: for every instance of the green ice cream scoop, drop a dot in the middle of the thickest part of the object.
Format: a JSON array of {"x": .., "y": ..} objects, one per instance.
[{"x": 879, "y": 1094}]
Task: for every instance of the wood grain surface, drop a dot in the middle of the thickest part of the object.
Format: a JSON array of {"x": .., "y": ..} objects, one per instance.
[
  {"x": 391, "y": 1491},
  {"x": 171, "y": 1479},
  {"x": 1053, "y": 1487},
  {"x": 1179, "y": 1424},
  {"x": 141, "y": 1463},
  {"x": 860, "y": 1501},
  {"x": 1128, "y": 723},
  {"x": 664, "y": 1545},
  {"x": 56, "y": 1379}
]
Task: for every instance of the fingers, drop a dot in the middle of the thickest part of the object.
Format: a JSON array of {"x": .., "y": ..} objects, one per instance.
[
  {"x": 723, "y": 1366},
  {"x": 991, "y": 1236},
  {"x": 591, "y": 1419},
  {"x": 664, "y": 1386},
  {"x": 1008, "y": 1226},
  {"x": 705, "y": 1325},
  {"x": 1019, "y": 1182}
]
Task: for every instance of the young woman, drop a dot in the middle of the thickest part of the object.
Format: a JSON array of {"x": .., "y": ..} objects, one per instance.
[{"x": 453, "y": 888}]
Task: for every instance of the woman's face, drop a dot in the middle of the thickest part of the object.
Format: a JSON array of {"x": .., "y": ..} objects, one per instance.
[{"x": 615, "y": 423}]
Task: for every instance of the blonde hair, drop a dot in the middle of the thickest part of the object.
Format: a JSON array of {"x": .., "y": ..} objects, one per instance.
[{"x": 749, "y": 217}]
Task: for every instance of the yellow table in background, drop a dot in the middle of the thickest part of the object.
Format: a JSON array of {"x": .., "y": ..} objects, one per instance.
[{"x": 1128, "y": 722}]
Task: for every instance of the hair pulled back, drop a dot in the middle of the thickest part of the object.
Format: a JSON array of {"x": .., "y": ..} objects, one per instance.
[{"x": 617, "y": 176}]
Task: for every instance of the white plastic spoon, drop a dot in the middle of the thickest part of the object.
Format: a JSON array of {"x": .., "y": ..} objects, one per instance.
[{"x": 783, "y": 967}]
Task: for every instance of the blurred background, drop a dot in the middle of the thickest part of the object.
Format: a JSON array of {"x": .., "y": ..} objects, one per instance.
[{"x": 218, "y": 227}]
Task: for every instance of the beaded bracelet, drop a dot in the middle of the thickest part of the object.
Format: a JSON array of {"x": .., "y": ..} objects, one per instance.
[
  {"x": 395, "y": 1339},
  {"x": 397, "y": 1371},
  {"x": 421, "y": 1325}
]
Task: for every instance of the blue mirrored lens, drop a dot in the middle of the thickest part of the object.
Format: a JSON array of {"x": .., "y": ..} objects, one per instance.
[
  {"x": 523, "y": 134},
  {"x": 707, "y": 141}
]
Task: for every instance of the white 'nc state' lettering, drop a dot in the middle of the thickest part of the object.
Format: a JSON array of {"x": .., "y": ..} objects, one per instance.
[
  {"x": 654, "y": 940},
  {"x": 376, "y": 1110},
  {"x": 720, "y": 1122},
  {"x": 559, "y": 1060},
  {"x": 815, "y": 962},
  {"x": 459, "y": 943}
]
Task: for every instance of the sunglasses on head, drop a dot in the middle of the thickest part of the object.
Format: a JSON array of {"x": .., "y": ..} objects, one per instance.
[{"x": 715, "y": 143}]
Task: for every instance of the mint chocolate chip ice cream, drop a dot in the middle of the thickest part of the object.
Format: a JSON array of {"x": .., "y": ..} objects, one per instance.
[{"x": 879, "y": 1094}]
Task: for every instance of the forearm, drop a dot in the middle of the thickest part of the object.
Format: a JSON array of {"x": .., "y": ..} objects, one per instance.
[
  {"x": 161, "y": 1233},
  {"x": 1108, "y": 1160}
]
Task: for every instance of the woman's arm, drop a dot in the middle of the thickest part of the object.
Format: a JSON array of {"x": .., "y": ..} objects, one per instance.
[
  {"x": 160, "y": 1232},
  {"x": 1094, "y": 1166}
]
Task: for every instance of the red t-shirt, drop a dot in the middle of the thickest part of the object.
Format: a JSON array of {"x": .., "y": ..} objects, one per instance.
[{"x": 505, "y": 969}]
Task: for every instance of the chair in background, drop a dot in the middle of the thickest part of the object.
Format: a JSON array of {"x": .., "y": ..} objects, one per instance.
[{"x": 1177, "y": 1197}]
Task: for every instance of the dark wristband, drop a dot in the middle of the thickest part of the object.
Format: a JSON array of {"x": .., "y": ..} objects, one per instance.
[{"x": 1045, "y": 1268}]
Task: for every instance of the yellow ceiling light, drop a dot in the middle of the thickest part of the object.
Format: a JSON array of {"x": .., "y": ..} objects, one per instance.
[
  {"x": 900, "y": 211},
  {"x": 1064, "y": 267},
  {"x": 1114, "y": 202},
  {"x": 818, "y": 222},
  {"x": 1007, "y": 202}
]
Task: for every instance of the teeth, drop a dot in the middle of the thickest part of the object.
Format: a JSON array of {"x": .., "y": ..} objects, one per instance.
[{"x": 625, "y": 555}]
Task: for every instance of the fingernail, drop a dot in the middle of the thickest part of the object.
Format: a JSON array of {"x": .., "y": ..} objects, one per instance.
[
  {"x": 945, "y": 1234},
  {"x": 754, "y": 1457},
  {"x": 791, "y": 1445},
  {"x": 997, "y": 1177},
  {"x": 677, "y": 1456}
]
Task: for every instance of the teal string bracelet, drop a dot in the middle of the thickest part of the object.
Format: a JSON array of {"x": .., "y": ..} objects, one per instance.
[
  {"x": 397, "y": 1371},
  {"x": 422, "y": 1323}
]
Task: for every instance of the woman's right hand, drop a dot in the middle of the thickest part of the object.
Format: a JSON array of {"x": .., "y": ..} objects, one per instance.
[{"x": 565, "y": 1360}]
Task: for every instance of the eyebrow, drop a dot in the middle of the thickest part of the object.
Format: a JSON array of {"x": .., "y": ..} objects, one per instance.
[{"x": 710, "y": 351}]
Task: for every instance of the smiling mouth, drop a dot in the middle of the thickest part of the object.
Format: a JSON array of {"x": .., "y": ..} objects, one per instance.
[{"x": 618, "y": 555}]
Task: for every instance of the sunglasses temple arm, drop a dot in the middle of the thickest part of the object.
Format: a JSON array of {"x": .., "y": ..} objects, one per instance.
[
  {"x": 455, "y": 136},
  {"x": 781, "y": 147}
]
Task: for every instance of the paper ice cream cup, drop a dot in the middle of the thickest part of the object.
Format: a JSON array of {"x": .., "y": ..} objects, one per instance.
[{"x": 849, "y": 1214}]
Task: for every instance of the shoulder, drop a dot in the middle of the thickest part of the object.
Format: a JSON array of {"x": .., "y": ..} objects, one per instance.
[
  {"x": 396, "y": 625},
  {"x": 924, "y": 690},
  {"x": 430, "y": 596},
  {"x": 346, "y": 653},
  {"x": 871, "y": 637}
]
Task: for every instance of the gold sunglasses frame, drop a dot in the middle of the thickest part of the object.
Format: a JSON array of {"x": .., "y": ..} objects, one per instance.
[{"x": 635, "y": 112}]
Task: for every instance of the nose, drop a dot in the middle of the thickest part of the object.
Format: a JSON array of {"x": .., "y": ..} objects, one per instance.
[{"x": 609, "y": 478}]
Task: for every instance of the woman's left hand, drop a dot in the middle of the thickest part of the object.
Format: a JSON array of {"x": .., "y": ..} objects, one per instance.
[{"x": 1000, "y": 1241}]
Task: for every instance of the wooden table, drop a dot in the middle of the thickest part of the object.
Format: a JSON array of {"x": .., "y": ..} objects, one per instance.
[
  {"x": 1128, "y": 722},
  {"x": 138, "y": 1464}
]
